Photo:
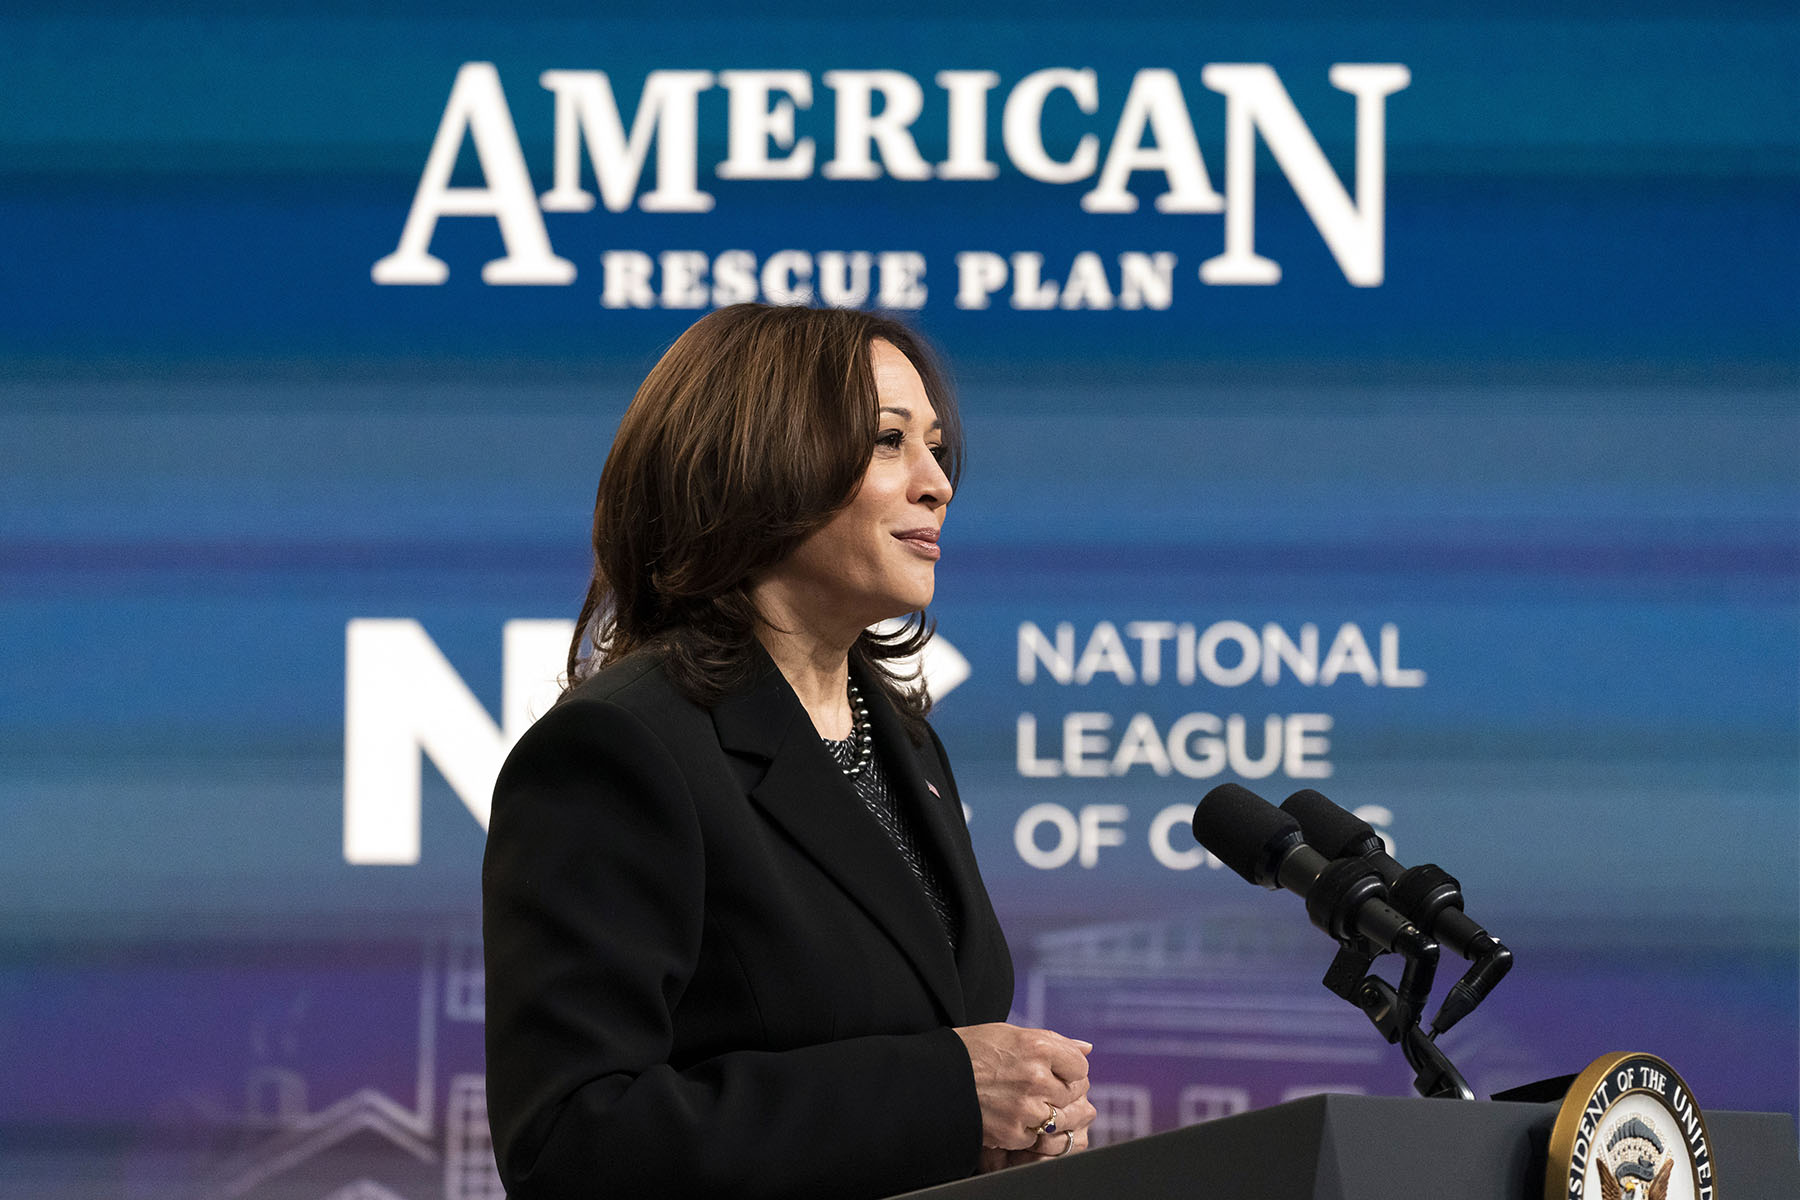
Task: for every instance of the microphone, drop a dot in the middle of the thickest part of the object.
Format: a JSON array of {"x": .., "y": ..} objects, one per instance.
[
  {"x": 1428, "y": 894},
  {"x": 1345, "y": 898}
]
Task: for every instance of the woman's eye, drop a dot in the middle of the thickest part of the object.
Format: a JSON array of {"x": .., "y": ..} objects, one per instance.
[
  {"x": 890, "y": 439},
  {"x": 940, "y": 452}
]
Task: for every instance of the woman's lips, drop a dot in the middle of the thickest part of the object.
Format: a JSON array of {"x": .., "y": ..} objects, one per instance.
[{"x": 922, "y": 542}]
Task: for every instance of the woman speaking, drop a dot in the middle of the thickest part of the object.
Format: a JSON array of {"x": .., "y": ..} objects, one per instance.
[{"x": 736, "y": 941}]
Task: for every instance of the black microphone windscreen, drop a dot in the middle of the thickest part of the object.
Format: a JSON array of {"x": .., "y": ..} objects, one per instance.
[
  {"x": 1245, "y": 831},
  {"x": 1328, "y": 828}
]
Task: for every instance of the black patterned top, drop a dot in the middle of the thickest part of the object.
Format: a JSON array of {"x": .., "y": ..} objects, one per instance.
[{"x": 872, "y": 785}]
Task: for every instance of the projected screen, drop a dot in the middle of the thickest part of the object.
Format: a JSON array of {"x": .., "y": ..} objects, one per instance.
[{"x": 1403, "y": 407}]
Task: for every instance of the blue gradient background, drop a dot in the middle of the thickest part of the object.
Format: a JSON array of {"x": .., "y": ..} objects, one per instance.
[{"x": 1559, "y": 448}]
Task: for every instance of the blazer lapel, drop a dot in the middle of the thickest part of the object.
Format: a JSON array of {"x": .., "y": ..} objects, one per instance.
[
  {"x": 806, "y": 794},
  {"x": 938, "y": 818}
]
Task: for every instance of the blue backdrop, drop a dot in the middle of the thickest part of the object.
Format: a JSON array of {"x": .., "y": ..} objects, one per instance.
[{"x": 1535, "y": 494}]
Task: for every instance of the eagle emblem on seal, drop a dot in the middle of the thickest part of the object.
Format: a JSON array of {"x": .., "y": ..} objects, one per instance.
[{"x": 1635, "y": 1165}]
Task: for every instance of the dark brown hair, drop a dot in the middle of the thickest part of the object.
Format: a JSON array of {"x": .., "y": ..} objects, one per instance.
[{"x": 753, "y": 430}]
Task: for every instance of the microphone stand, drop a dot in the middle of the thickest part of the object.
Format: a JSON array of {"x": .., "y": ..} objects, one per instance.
[{"x": 1395, "y": 1011}]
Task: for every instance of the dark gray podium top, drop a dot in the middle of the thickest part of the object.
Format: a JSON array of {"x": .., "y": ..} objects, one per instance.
[{"x": 1368, "y": 1148}]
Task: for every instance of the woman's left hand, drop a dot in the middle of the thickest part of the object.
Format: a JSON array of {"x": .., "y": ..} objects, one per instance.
[
  {"x": 995, "y": 1159},
  {"x": 1032, "y": 1086}
]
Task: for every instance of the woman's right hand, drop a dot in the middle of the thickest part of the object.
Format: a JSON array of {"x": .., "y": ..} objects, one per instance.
[{"x": 1019, "y": 1075}]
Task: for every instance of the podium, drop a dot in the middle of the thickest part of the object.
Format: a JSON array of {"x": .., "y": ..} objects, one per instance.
[{"x": 1366, "y": 1148}]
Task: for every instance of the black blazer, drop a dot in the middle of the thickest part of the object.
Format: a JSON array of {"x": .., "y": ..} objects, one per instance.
[{"x": 709, "y": 971}]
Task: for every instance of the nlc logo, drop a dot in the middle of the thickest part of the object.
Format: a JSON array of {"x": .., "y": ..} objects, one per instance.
[
  {"x": 404, "y": 702},
  {"x": 873, "y": 114}
]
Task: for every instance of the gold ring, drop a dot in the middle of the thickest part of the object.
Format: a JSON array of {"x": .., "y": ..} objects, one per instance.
[{"x": 1048, "y": 1124}]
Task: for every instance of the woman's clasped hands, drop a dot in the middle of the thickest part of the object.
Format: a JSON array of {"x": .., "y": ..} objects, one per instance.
[{"x": 1032, "y": 1085}]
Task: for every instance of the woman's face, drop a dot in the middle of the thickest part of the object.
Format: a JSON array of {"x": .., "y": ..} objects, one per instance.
[{"x": 877, "y": 558}]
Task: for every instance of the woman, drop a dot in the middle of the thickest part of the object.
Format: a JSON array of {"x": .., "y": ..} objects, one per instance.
[{"x": 736, "y": 939}]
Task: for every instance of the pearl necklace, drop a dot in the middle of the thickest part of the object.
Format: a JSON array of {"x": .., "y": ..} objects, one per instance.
[{"x": 863, "y": 741}]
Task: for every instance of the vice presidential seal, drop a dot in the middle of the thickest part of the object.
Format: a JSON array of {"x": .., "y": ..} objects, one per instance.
[{"x": 1629, "y": 1130}]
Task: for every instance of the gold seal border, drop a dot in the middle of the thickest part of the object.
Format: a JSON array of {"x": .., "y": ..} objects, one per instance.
[{"x": 1568, "y": 1120}]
